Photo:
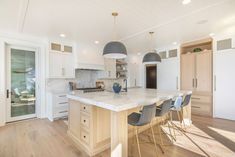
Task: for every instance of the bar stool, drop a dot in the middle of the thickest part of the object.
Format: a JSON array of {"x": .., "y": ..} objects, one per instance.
[
  {"x": 141, "y": 119},
  {"x": 176, "y": 106},
  {"x": 185, "y": 103},
  {"x": 163, "y": 112}
]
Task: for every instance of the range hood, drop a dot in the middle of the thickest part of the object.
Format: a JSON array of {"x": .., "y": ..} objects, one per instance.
[{"x": 88, "y": 66}]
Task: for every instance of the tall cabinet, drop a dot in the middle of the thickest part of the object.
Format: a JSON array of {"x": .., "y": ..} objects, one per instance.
[{"x": 196, "y": 74}]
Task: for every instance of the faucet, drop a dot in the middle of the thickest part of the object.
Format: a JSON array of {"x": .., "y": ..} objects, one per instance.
[{"x": 125, "y": 89}]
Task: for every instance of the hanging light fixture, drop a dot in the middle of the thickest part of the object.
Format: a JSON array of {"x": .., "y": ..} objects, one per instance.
[
  {"x": 114, "y": 49},
  {"x": 152, "y": 56}
]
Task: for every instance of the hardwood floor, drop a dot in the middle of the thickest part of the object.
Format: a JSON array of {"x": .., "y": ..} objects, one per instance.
[{"x": 41, "y": 138}]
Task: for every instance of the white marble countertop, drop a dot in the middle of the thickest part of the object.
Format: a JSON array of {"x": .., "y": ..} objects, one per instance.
[{"x": 125, "y": 100}]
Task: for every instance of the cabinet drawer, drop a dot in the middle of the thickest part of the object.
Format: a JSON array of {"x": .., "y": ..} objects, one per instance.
[
  {"x": 85, "y": 108},
  {"x": 85, "y": 137},
  {"x": 61, "y": 114},
  {"x": 201, "y": 109},
  {"x": 60, "y": 98},
  {"x": 61, "y": 109},
  {"x": 85, "y": 121},
  {"x": 60, "y": 104},
  {"x": 201, "y": 99}
]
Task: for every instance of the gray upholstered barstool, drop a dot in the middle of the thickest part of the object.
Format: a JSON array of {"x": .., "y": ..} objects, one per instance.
[
  {"x": 163, "y": 114},
  {"x": 141, "y": 119}
]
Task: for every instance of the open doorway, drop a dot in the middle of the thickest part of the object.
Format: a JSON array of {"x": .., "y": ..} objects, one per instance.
[{"x": 151, "y": 76}]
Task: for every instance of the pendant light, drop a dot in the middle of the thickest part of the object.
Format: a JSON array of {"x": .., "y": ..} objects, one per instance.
[
  {"x": 114, "y": 49},
  {"x": 152, "y": 56}
]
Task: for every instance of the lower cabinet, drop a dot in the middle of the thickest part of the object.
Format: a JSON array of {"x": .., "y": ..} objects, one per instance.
[
  {"x": 202, "y": 104},
  {"x": 57, "y": 106},
  {"x": 89, "y": 127}
]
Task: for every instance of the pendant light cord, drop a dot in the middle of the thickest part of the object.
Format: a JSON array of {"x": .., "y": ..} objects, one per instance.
[
  {"x": 114, "y": 14},
  {"x": 151, "y": 42}
]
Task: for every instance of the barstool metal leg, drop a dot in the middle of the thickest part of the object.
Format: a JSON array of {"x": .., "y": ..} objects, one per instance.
[
  {"x": 138, "y": 143},
  {"x": 160, "y": 134},
  {"x": 154, "y": 140}
]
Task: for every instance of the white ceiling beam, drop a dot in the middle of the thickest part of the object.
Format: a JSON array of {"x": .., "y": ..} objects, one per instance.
[{"x": 22, "y": 15}]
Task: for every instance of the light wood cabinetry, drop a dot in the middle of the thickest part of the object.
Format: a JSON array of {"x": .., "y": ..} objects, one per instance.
[
  {"x": 89, "y": 127},
  {"x": 196, "y": 75}
]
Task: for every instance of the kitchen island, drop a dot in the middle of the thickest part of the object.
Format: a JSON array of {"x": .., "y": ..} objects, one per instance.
[{"x": 98, "y": 121}]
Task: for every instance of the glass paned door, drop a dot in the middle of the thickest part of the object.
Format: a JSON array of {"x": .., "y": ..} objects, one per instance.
[{"x": 21, "y": 84}]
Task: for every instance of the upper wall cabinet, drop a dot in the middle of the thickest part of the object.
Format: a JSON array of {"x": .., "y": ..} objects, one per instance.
[
  {"x": 61, "y": 61},
  {"x": 58, "y": 47}
]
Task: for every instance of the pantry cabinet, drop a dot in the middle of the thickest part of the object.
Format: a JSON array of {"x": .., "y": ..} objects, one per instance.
[{"x": 196, "y": 75}]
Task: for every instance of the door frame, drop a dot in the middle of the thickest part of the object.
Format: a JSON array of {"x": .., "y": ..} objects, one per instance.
[{"x": 8, "y": 82}]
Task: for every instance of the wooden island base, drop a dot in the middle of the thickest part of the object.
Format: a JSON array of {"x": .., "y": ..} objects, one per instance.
[{"x": 95, "y": 129}]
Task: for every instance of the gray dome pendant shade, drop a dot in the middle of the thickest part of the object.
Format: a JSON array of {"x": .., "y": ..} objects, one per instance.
[
  {"x": 114, "y": 49},
  {"x": 151, "y": 57}
]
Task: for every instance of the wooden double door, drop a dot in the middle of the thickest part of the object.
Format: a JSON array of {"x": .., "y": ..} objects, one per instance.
[{"x": 196, "y": 75}]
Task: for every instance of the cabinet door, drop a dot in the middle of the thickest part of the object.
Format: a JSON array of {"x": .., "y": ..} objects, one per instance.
[
  {"x": 203, "y": 82},
  {"x": 55, "y": 65},
  {"x": 187, "y": 71},
  {"x": 167, "y": 74},
  {"x": 110, "y": 67},
  {"x": 68, "y": 66}
]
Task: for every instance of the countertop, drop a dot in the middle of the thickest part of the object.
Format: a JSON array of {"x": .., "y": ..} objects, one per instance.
[{"x": 135, "y": 97}]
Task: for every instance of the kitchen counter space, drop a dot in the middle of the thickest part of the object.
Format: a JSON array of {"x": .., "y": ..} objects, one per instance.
[{"x": 125, "y": 100}]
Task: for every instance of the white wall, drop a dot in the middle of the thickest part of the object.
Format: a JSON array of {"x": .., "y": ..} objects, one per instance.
[{"x": 22, "y": 40}]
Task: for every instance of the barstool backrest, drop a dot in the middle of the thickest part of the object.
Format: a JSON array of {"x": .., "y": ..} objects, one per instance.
[
  {"x": 165, "y": 107},
  {"x": 178, "y": 103},
  {"x": 186, "y": 100},
  {"x": 148, "y": 113}
]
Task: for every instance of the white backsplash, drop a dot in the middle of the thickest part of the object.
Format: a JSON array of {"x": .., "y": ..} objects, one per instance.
[{"x": 88, "y": 78}]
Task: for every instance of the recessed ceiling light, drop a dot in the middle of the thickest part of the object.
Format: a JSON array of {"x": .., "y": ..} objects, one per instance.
[
  {"x": 184, "y": 2},
  {"x": 62, "y": 35},
  {"x": 174, "y": 43},
  {"x": 96, "y": 42},
  {"x": 212, "y": 34},
  {"x": 202, "y": 22},
  {"x": 139, "y": 54}
]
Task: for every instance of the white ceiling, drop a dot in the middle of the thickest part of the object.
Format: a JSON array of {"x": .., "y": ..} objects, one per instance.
[{"x": 90, "y": 20}]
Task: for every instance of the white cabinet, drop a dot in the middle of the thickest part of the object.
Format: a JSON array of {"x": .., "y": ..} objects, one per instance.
[
  {"x": 224, "y": 84},
  {"x": 168, "y": 70},
  {"x": 168, "y": 74},
  {"x": 57, "y": 106},
  {"x": 110, "y": 67},
  {"x": 61, "y": 61}
]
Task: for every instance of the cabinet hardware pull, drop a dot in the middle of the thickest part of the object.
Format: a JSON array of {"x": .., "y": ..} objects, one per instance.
[
  {"x": 63, "y": 103},
  {"x": 193, "y": 83},
  {"x": 63, "y": 111},
  {"x": 177, "y": 86},
  {"x": 196, "y": 82},
  {"x": 196, "y": 98},
  {"x": 84, "y": 108},
  {"x": 84, "y": 121},
  {"x": 214, "y": 83},
  {"x": 84, "y": 136},
  {"x": 62, "y": 95},
  {"x": 195, "y": 107}
]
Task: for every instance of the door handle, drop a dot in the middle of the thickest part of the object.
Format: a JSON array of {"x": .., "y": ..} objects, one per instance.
[
  {"x": 214, "y": 83},
  {"x": 177, "y": 86},
  {"x": 193, "y": 83},
  {"x": 7, "y": 93}
]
